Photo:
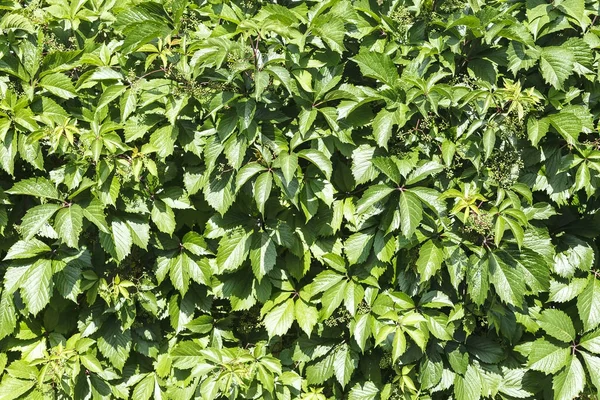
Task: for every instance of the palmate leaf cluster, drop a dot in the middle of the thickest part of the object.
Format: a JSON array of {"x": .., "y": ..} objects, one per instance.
[{"x": 299, "y": 199}]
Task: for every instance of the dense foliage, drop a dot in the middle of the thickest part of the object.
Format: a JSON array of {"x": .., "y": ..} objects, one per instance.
[{"x": 299, "y": 199}]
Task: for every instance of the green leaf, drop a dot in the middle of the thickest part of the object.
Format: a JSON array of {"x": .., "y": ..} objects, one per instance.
[
  {"x": 519, "y": 57},
  {"x": 233, "y": 250},
  {"x": 332, "y": 31},
  {"x": 187, "y": 354},
  {"x": 179, "y": 272},
  {"x": 121, "y": 239},
  {"x": 59, "y": 85},
  {"x": 513, "y": 384},
  {"x": 478, "y": 279},
  {"x": 110, "y": 94},
  {"x": 430, "y": 259},
  {"x": 398, "y": 344},
  {"x": 469, "y": 386},
  {"x": 283, "y": 75},
  {"x": 320, "y": 371},
  {"x": 382, "y": 127},
  {"x": 557, "y": 324},
  {"x": 378, "y": 66},
  {"x": 263, "y": 254},
  {"x": 36, "y": 187},
  {"x": 306, "y": 118},
  {"x": 361, "y": 330},
  {"x": 568, "y": 125},
  {"x": 332, "y": 298},
  {"x": 8, "y": 315},
  {"x": 68, "y": 224},
  {"x": 247, "y": 172},
  {"x": 372, "y": 196},
  {"x": 94, "y": 212},
  {"x": 411, "y": 213},
  {"x": 368, "y": 391},
  {"x": 507, "y": 280},
  {"x": 164, "y": 217},
  {"x": 12, "y": 388},
  {"x": 26, "y": 249},
  {"x": 358, "y": 246},
  {"x": 8, "y": 152},
  {"x": 163, "y": 140},
  {"x": 325, "y": 280},
  {"x": 288, "y": 164},
  {"x": 485, "y": 349},
  {"x": 195, "y": 244},
  {"x": 588, "y": 304},
  {"x": 547, "y": 357},
  {"x": 319, "y": 160},
  {"x": 139, "y": 34},
  {"x": 145, "y": 388},
  {"x": 568, "y": 384},
  {"x": 279, "y": 319},
  {"x": 579, "y": 255},
  {"x": 140, "y": 231},
  {"x": 576, "y": 10},
  {"x": 591, "y": 341},
  {"x": 38, "y": 286},
  {"x": 562, "y": 293},
  {"x": 556, "y": 64},
  {"x": 593, "y": 368},
  {"x": 423, "y": 171},
  {"x": 262, "y": 190},
  {"x": 220, "y": 192},
  {"x": 344, "y": 363},
  {"x": 114, "y": 343},
  {"x": 362, "y": 164},
  {"x": 16, "y": 21}
]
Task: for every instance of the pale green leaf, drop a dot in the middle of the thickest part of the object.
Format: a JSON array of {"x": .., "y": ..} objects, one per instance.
[
  {"x": 145, "y": 388},
  {"x": 94, "y": 212},
  {"x": 369, "y": 391},
  {"x": 430, "y": 259},
  {"x": 507, "y": 280},
  {"x": 233, "y": 250},
  {"x": 469, "y": 386},
  {"x": 588, "y": 304},
  {"x": 591, "y": 341},
  {"x": 593, "y": 368},
  {"x": 26, "y": 249},
  {"x": 263, "y": 254},
  {"x": 37, "y": 286},
  {"x": 36, "y": 187},
  {"x": 568, "y": 384},
  {"x": 411, "y": 213},
  {"x": 378, "y": 66},
  {"x": 344, "y": 363},
  {"x": 557, "y": 324},
  {"x": 279, "y": 319},
  {"x": 556, "y": 64},
  {"x": 12, "y": 388},
  {"x": 262, "y": 190},
  {"x": 288, "y": 164},
  {"x": 306, "y": 315},
  {"x": 164, "y": 217},
  {"x": 547, "y": 357},
  {"x": 69, "y": 223},
  {"x": 59, "y": 84},
  {"x": 319, "y": 160},
  {"x": 372, "y": 196},
  {"x": 8, "y": 315},
  {"x": 121, "y": 239}
]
